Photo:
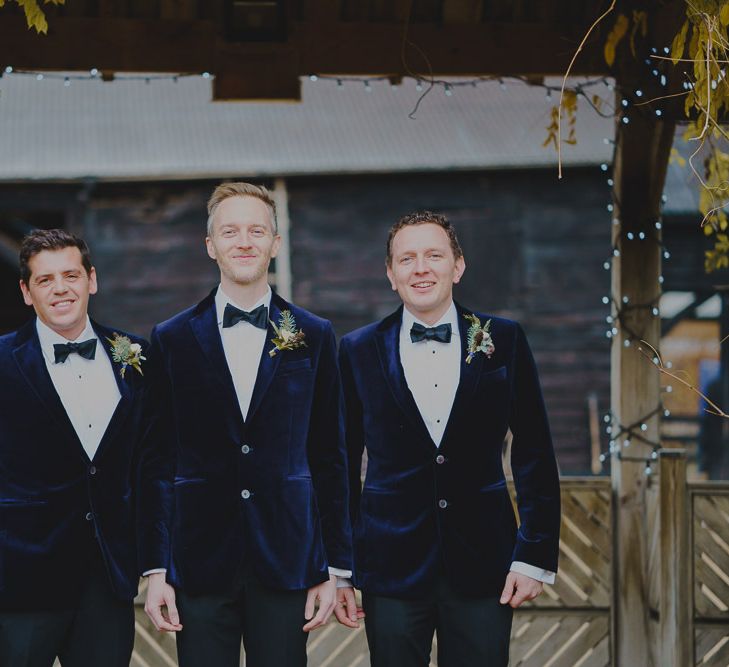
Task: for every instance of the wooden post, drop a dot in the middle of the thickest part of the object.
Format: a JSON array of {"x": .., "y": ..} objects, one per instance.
[
  {"x": 641, "y": 158},
  {"x": 674, "y": 560}
]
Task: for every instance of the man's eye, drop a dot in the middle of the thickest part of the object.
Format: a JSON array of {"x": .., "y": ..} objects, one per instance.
[
  {"x": 405, "y": 260},
  {"x": 258, "y": 232}
]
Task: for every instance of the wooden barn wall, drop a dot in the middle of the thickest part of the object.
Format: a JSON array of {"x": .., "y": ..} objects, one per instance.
[{"x": 534, "y": 250}]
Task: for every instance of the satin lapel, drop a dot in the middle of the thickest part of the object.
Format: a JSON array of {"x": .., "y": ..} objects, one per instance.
[
  {"x": 205, "y": 328},
  {"x": 388, "y": 348},
  {"x": 469, "y": 374},
  {"x": 29, "y": 357},
  {"x": 124, "y": 385},
  {"x": 267, "y": 365}
]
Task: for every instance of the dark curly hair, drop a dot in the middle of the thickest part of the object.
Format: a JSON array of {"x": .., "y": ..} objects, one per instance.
[{"x": 423, "y": 218}]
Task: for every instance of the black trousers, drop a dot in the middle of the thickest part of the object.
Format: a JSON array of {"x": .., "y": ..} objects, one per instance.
[
  {"x": 471, "y": 632},
  {"x": 97, "y": 630},
  {"x": 269, "y": 622}
]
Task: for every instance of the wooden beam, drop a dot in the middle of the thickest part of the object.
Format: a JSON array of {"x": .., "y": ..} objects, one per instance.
[
  {"x": 641, "y": 158},
  {"x": 675, "y": 613},
  {"x": 355, "y": 48},
  {"x": 180, "y": 10},
  {"x": 462, "y": 11}
]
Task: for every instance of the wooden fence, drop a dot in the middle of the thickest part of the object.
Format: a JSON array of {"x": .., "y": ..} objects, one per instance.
[{"x": 569, "y": 625}]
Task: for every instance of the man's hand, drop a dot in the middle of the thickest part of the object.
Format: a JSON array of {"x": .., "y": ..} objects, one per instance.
[
  {"x": 161, "y": 595},
  {"x": 519, "y": 588},
  {"x": 326, "y": 594},
  {"x": 346, "y": 610}
]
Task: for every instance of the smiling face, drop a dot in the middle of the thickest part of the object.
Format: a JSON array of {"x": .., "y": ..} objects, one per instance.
[
  {"x": 242, "y": 241},
  {"x": 58, "y": 288},
  {"x": 423, "y": 270}
]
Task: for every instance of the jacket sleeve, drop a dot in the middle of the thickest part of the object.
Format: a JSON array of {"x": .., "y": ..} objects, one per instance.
[
  {"x": 328, "y": 458},
  {"x": 533, "y": 465},
  {"x": 155, "y": 469},
  {"x": 353, "y": 430}
]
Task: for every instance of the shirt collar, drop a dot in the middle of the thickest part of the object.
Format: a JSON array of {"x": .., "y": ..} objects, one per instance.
[
  {"x": 449, "y": 317},
  {"x": 221, "y": 299},
  {"x": 48, "y": 337}
]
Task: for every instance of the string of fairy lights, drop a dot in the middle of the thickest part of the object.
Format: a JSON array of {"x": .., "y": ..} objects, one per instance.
[{"x": 631, "y": 102}]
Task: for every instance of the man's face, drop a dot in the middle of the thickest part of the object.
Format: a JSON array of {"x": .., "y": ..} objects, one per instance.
[
  {"x": 242, "y": 240},
  {"x": 59, "y": 289},
  {"x": 424, "y": 270}
]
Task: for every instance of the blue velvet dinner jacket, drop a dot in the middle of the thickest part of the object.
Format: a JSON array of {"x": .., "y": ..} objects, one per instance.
[
  {"x": 54, "y": 500},
  {"x": 425, "y": 510},
  {"x": 270, "y": 490}
]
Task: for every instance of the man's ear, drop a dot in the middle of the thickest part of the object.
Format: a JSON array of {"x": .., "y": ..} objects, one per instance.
[
  {"x": 27, "y": 298},
  {"x": 459, "y": 270},
  {"x": 388, "y": 270}
]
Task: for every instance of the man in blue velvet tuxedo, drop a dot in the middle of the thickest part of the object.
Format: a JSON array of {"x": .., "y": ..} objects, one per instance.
[
  {"x": 430, "y": 392},
  {"x": 73, "y": 469},
  {"x": 250, "y": 421}
]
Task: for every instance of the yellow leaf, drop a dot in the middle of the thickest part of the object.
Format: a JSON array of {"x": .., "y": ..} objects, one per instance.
[
  {"x": 724, "y": 14},
  {"x": 34, "y": 16},
  {"x": 679, "y": 43},
  {"x": 613, "y": 39},
  {"x": 639, "y": 22}
]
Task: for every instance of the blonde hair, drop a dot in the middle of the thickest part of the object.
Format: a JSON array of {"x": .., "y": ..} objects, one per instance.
[{"x": 226, "y": 190}]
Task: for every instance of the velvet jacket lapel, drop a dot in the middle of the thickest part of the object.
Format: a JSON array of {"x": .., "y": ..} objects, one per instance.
[
  {"x": 124, "y": 385},
  {"x": 268, "y": 365},
  {"x": 204, "y": 326},
  {"x": 469, "y": 376},
  {"x": 32, "y": 366},
  {"x": 388, "y": 348}
]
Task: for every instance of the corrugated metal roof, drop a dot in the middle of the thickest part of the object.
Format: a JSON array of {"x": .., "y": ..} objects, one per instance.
[{"x": 127, "y": 129}]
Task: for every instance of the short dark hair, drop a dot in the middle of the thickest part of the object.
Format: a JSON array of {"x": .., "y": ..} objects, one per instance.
[
  {"x": 424, "y": 218},
  {"x": 50, "y": 239}
]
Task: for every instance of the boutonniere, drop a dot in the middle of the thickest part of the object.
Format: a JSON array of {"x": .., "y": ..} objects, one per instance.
[
  {"x": 288, "y": 337},
  {"x": 479, "y": 338},
  {"x": 126, "y": 353}
]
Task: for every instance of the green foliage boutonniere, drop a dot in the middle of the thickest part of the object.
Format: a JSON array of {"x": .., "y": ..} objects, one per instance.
[
  {"x": 126, "y": 353},
  {"x": 479, "y": 338},
  {"x": 288, "y": 337}
]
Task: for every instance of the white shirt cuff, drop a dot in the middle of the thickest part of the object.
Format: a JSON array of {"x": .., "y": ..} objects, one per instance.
[
  {"x": 545, "y": 576},
  {"x": 157, "y": 570},
  {"x": 344, "y": 582},
  {"x": 340, "y": 573}
]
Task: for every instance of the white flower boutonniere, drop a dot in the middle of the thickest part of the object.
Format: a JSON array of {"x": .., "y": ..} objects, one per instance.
[
  {"x": 288, "y": 337},
  {"x": 479, "y": 338},
  {"x": 126, "y": 353}
]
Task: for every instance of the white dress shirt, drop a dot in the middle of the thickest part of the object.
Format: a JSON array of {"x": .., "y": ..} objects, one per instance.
[
  {"x": 243, "y": 346},
  {"x": 87, "y": 387},
  {"x": 432, "y": 372}
]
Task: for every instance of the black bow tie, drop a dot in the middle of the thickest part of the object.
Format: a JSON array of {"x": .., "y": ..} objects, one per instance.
[
  {"x": 87, "y": 350},
  {"x": 258, "y": 317},
  {"x": 441, "y": 333}
]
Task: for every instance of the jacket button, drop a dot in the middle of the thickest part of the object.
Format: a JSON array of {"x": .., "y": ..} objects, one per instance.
[
  {"x": 89, "y": 516},
  {"x": 440, "y": 459},
  {"x": 92, "y": 470},
  {"x": 442, "y": 503},
  {"x": 245, "y": 449},
  {"x": 245, "y": 494}
]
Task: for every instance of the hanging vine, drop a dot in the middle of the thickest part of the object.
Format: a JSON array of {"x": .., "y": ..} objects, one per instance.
[{"x": 34, "y": 14}]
